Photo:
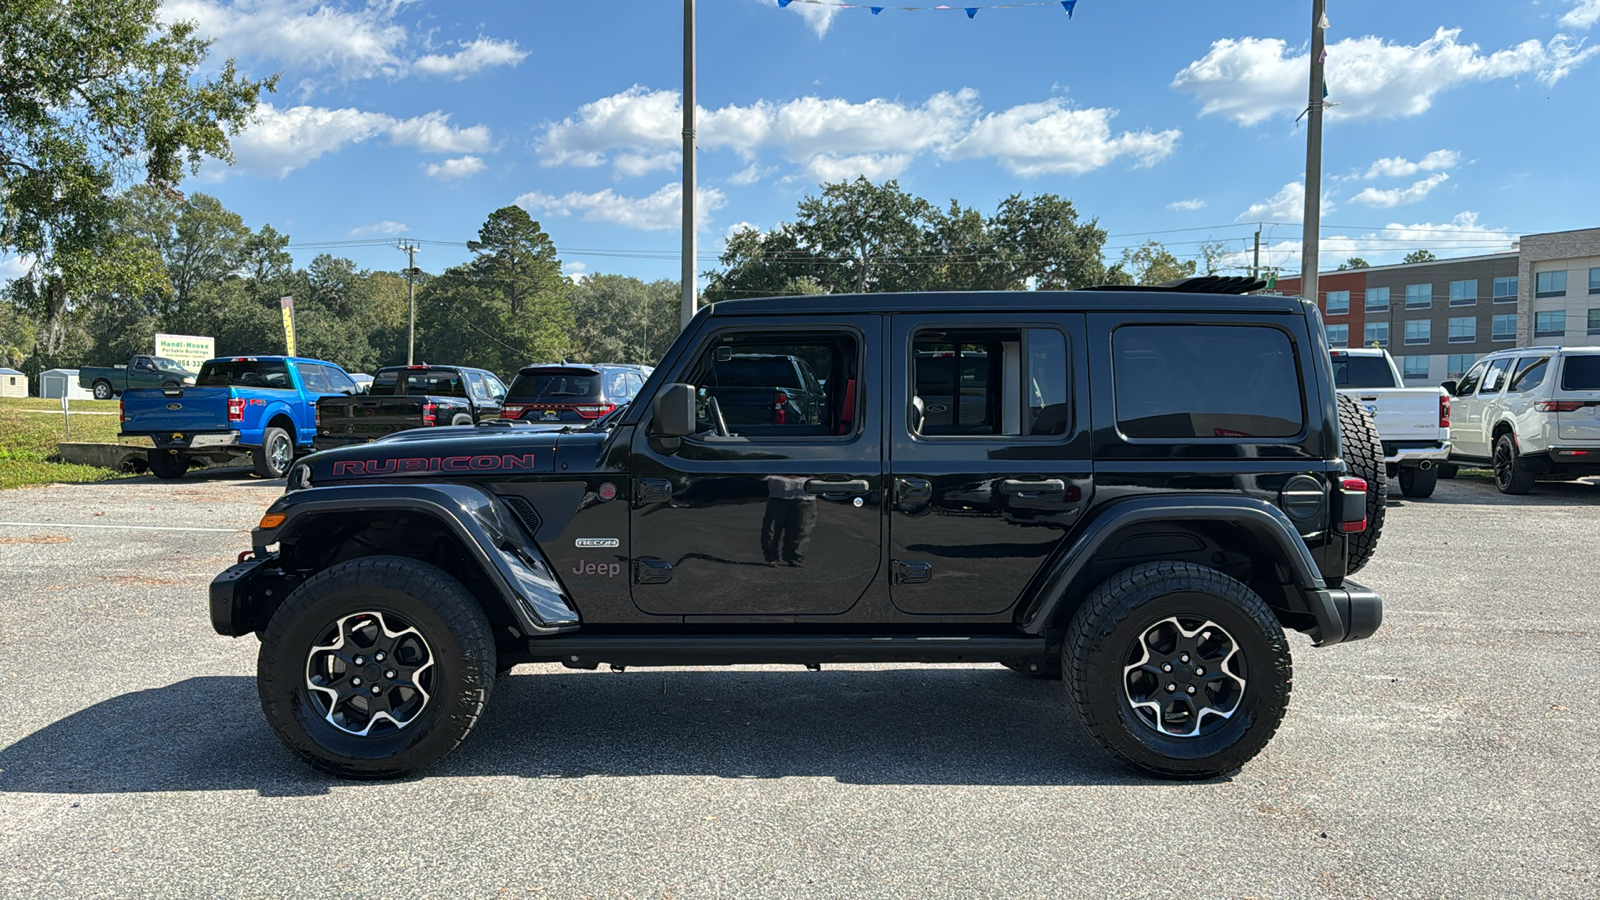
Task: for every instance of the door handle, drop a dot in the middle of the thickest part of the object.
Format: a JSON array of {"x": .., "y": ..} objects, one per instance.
[
  {"x": 821, "y": 486},
  {"x": 1024, "y": 486}
]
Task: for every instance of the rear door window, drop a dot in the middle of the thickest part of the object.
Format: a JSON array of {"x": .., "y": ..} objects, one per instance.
[
  {"x": 270, "y": 374},
  {"x": 979, "y": 382},
  {"x": 1206, "y": 381},
  {"x": 1581, "y": 373}
]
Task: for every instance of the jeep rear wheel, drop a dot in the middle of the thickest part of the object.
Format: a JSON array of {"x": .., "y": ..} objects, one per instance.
[
  {"x": 1178, "y": 670},
  {"x": 376, "y": 667},
  {"x": 1363, "y": 454}
]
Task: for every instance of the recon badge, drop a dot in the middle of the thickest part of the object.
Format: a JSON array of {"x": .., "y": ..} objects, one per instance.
[{"x": 597, "y": 542}]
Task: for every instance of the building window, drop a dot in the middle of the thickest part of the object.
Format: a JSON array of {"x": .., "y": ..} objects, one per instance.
[
  {"x": 1457, "y": 364},
  {"x": 1505, "y": 290},
  {"x": 1594, "y": 321},
  {"x": 1594, "y": 280},
  {"x": 1550, "y": 323},
  {"x": 1504, "y": 327},
  {"x": 1419, "y": 296},
  {"x": 1414, "y": 366},
  {"x": 1338, "y": 303},
  {"x": 1376, "y": 333},
  {"x": 1377, "y": 299},
  {"x": 1338, "y": 335},
  {"x": 1550, "y": 284},
  {"x": 1464, "y": 293},
  {"x": 1418, "y": 331},
  {"x": 1464, "y": 330}
]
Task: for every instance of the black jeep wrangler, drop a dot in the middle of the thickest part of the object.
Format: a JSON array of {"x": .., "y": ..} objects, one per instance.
[{"x": 1133, "y": 491}]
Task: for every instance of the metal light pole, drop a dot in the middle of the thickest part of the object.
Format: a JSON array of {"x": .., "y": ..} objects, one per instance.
[
  {"x": 688, "y": 163},
  {"x": 1311, "y": 227}
]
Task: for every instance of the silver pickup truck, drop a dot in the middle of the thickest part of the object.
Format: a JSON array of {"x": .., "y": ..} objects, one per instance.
[{"x": 1413, "y": 423}]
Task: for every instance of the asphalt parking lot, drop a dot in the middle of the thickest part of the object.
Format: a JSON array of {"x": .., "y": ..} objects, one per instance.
[{"x": 1456, "y": 753}]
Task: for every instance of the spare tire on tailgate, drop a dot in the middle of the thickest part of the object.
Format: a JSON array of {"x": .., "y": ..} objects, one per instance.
[{"x": 1364, "y": 455}]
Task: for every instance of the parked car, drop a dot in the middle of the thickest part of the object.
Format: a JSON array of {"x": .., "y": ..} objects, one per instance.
[
  {"x": 756, "y": 391},
  {"x": 108, "y": 382},
  {"x": 1529, "y": 413},
  {"x": 402, "y": 397},
  {"x": 262, "y": 407},
  {"x": 1148, "y": 533},
  {"x": 574, "y": 393},
  {"x": 1413, "y": 423}
]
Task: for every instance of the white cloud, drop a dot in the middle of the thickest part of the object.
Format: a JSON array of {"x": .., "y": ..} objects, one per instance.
[
  {"x": 1400, "y": 167},
  {"x": 472, "y": 57},
  {"x": 12, "y": 267},
  {"x": 456, "y": 169},
  {"x": 637, "y": 130},
  {"x": 1187, "y": 205},
  {"x": 749, "y": 174},
  {"x": 818, "y": 17},
  {"x": 278, "y": 141},
  {"x": 628, "y": 165},
  {"x": 384, "y": 227},
  {"x": 576, "y": 271},
  {"x": 1584, "y": 15},
  {"x": 1252, "y": 79},
  {"x": 1287, "y": 205},
  {"x": 1401, "y": 196},
  {"x": 1040, "y": 138},
  {"x": 660, "y": 211}
]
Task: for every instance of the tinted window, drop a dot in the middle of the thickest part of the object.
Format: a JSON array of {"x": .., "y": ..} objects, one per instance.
[
  {"x": 272, "y": 374},
  {"x": 1495, "y": 378},
  {"x": 1227, "y": 381},
  {"x": 1362, "y": 372},
  {"x": 563, "y": 385},
  {"x": 801, "y": 385},
  {"x": 1581, "y": 373},
  {"x": 1530, "y": 374},
  {"x": 339, "y": 382},
  {"x": 419, "y": 382},
  {"x": 315, "y": 381}
]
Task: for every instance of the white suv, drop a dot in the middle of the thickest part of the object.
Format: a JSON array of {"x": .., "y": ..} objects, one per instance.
[{"x": 1530, "y": 412}]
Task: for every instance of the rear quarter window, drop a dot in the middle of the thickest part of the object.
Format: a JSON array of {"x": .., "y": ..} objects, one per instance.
[
  {"x": 1581, "y": 373},
  {"x": 1206, "y": 381}
]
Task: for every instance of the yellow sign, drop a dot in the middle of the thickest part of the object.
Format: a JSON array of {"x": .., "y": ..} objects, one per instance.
[
  {"x": 288, "y": 322},
  {"x": 187, "y": 350}
]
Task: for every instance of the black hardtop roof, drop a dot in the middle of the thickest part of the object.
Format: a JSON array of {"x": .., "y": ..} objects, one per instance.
[{"x": 1006, "y": 301}]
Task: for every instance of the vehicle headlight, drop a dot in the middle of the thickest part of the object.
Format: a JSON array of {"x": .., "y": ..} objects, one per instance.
[
  {"x": 188, "y": 382},
  {"x": 299, "y": 478}
]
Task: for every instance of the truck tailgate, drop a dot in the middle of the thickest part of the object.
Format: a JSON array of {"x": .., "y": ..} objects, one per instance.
[
  {"x": 1403, "y": 414},
  {"x": 151, "y": 410},
  {"x": 367, "y": 418}
]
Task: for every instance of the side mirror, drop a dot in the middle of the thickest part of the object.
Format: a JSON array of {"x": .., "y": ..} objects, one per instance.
[
  {"x": 1449, "y": 387},
  {"x": 672, "y": 412}
]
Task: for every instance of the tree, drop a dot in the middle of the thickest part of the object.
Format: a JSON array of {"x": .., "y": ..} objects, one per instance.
[
  {"x": 1417, "y": 256},
  {"x": 93, "y": 95},
  {"x": 1212, "y": 255},
  {"x": 1354, "y": 262},
  {"x": 1152, "y": 263},
  {"x": 621, "y": 319}
]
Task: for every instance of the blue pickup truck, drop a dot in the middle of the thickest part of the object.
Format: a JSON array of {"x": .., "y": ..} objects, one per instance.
[{"x": 263, "y": 407}]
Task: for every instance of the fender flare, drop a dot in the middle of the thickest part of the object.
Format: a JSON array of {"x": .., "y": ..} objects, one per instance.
[
  {"x": 1257, "y": 516},
  {"x": 514, "y": 565}
]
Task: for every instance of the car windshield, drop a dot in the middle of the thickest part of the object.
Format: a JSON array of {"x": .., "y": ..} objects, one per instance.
[
  {"x": 1362, "y": 372},
  {"x": 560, "y": 385},
  {"x": 1581, "y": 373},
  {"x": 254, "y": 373}
]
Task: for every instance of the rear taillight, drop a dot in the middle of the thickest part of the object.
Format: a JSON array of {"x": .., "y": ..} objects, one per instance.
[
  {"x": 236, "y": 410},
  {"x": 594, "y": 412},
  {"x": 779, "y": 415},
  {"x": 429, "y": 416},
  {"x": 122, "y": 411},
  {"x": 1444, "y": 412},
  {"x": 1558, "y": 405},
  {"x": 511, "y": 412},
  {"x": 1353, "y": 506}
]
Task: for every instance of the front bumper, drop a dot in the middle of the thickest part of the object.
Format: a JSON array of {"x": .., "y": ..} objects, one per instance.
[
  {"x": 1413, "y": 455},
  {"x": 244, "y": 597},
  {"x": 1349, "y": 612}
]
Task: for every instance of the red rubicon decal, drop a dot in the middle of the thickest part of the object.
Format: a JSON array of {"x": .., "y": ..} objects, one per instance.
[{"x": 423, "y": 464}]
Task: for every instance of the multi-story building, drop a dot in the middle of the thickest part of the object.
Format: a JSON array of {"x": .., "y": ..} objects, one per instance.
[{"x": 1436, "y": 318}]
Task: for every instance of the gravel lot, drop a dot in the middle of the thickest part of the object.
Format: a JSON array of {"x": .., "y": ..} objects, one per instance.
[{"x": 1456, "y": 753}]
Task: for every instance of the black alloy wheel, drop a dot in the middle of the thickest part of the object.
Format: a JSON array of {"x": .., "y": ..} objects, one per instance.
[{"x": 1511, "y": 475}]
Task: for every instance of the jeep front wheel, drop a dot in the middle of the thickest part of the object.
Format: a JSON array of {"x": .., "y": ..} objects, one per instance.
[
  {"x": 1178, "y": 670},
  {"x": 376, "y": 667}
]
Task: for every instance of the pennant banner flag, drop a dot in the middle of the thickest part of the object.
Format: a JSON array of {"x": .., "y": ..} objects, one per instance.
[{"x": 971, "y": 11}]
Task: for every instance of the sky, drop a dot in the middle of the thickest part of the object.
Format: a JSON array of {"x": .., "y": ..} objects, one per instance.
[{"x": 1455, "y": 127}]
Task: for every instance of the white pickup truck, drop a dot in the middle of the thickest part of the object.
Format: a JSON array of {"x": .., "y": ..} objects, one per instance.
[{"x": 1413, "y": 423}]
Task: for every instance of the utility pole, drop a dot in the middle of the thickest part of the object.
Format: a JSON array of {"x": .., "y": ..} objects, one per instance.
[
  {"x": 1255, "y": 269},
  {"x": 688, "y": 164},
  {"x": 411, "y": 294},
  {"x": 1311, "y": 227}
]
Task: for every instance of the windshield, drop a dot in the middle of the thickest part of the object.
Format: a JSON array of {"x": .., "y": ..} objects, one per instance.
[
  {"x": 564, "y": 385},
  {"x": 1362, "y": 372},
  {"x": 263, "y": 373},
  {"x": 1582, "y": 373}
]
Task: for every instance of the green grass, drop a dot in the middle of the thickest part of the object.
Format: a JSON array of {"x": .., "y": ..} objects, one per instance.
[{"x": 28, "y": 453}]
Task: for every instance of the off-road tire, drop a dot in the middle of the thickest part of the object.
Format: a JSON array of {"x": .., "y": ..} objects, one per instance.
[
  {"x": 1108, "y": 627},
  {"x": 1418, "y": 483},
  {"x": 166, "y": 465},
  {"x": 442, "y": 611},
  {"x": 1511, "y": 474},
  {"x": 1363, "y": 454},
  {"x": 103, "y": 390},
  {"x": 1447, "y": 471},
  {"x": 269, "y": 460},
  {"x": 461, "y": 419}
]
